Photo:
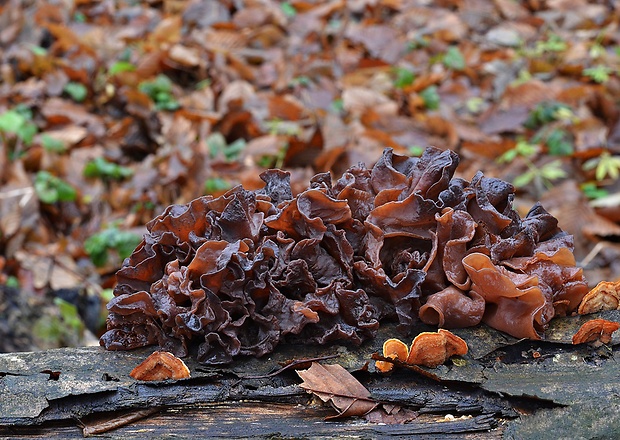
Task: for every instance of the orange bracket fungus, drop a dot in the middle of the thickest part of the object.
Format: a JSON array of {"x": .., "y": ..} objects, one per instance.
[
  {"x": 402, "y": 241},
  {"x": 605, "y": 296},
  {"x": 160, "y": 365},
  {"x": 392, "y": 349},
  {"x": 429, "y": 349},
  {"x": 596, "y": 331}
]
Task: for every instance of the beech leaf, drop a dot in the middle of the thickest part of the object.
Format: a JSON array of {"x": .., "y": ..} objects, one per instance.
[{"x": 334, "y": 384}]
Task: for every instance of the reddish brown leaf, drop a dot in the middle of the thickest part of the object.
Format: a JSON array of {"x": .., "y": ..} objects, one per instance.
[{"x": 332, "y": 383}]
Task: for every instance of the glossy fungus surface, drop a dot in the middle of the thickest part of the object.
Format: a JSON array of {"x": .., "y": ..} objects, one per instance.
[
  {"x": 402, "y": 241},
  {"x": 596, "y": 331},
  {"x": 161, "y": 365}
]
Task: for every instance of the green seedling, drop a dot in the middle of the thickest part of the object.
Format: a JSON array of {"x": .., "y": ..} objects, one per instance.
[
  {"x": 287, "y": 128},
  {"x": 50, "y": 189},
  {"x": 454, "y": 59},
  {"x": 121, "y": 66},
  {"x": 549, "y": 111},
  {"x": 558, "y": 141},
  {"x": 543, "y": 176},
  {"x": 419, "y": 42},
  {"x": 599, "y": 73},
  {"x": 273, "y": 160},
  {"x": 38, "y": 50},
  {"x": 52, "y": 145},
  {"x": 597, "y": 50},
  {"x": 523, "y": 149},
  {"x": 218, "y": 147},
  {"x": 79, "y": 17},
  {"x": 216, "y": 185},
  {"x": 592, "y": 191},
  {"x": 12, "y": 282},
  {"x": 64, "y": 328},
  {"x": 403, "y": 77},
  {"x": 337, "y": 106},
  {"x": 474, "y": 105},
  {"x": 554, "y": 43},
  {"x": 77, "y": 91},
  {"x": 100, "y": 167},
  {"x": 416, "y": 150},
  {"x": 97, "y": 246},
  {"x": 606, "y": 165},
  {"x": 288, "y": 9},
  {"x": 18, "y": 122},
  {"x": 301, "y": 81},
  {"x": 431, "y": 98},
  {"x": 160, "y": 91}
]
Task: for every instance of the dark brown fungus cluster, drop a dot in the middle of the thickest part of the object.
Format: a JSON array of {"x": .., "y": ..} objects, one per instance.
[{"x": 404, "y": 240}]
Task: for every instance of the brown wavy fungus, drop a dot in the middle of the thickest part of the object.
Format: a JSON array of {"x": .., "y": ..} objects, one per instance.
[{"x": 402, "y": 241}]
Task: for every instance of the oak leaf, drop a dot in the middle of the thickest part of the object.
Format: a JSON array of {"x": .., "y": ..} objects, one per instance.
[{"x": 334, "y": 384}]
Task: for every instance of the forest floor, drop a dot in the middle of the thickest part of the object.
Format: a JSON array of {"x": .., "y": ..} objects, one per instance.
[{"x": 112, "y": 110}]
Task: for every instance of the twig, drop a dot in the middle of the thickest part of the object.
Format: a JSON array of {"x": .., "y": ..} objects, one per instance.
[
  {"x": 592, "y": 254},
  {"x": 117, "y": 422},
  {"x": 24, "y": 192},
  {"x": 294, "y": 363}
]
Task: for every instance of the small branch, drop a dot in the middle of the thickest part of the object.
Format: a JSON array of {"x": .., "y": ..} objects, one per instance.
[
  {"x": 117, "y": 422},
  {"x": 292, "y": 364},
  {"x": 593, "y": 253}
]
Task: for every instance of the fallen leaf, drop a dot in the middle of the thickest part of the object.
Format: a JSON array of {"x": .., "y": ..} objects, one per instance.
[{"x": 332, "y": 383}]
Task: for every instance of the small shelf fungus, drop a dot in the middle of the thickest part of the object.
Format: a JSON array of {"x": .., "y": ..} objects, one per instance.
[
  {"x": 429, "y": 349},
  {"x": 596, "y": 332},
  {"x": 402, "y": 241},
  {"x": 161, "y": 365},
  {"x": 605, "y": 296}
]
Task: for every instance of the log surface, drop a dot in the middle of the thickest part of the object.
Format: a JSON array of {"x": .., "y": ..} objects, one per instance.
[{"x": 565, "y": 389}]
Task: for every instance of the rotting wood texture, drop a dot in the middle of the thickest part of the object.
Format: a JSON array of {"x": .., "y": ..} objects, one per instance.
[{"x": 550, "y": 380}]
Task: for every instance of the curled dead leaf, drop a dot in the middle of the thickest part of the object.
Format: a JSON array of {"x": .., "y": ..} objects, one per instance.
[
  {"x": 335, "y": 384},
  {"x": 161, "y": 365},
  {"x": 605, "y": 296},
  {"x": 596, "y": 331}
]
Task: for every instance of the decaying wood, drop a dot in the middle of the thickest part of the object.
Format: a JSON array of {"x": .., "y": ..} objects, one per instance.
[
  {"x": 483, "y": 391},
  {"x": 273, "y": 420}
]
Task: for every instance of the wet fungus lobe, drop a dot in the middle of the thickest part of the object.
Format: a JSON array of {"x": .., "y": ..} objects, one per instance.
[
  {"x": 402, "y": 241},
  {"x": 429, "y": 349},
  {"x": 161, "y": 365},
  {"x": 596, "y": 331}
]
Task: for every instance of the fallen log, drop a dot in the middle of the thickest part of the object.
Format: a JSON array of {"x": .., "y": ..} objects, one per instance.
[{"x": 506, "y": 388}]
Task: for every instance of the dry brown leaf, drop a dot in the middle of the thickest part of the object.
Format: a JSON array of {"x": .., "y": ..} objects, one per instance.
[
  {"x": 568, "y": 204},
  {"x": 332, "y": 383},
  {"x": 334, "y": 66},
  {"x": 391, "y": 415},
  {"x": 185, "y": 56}
]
